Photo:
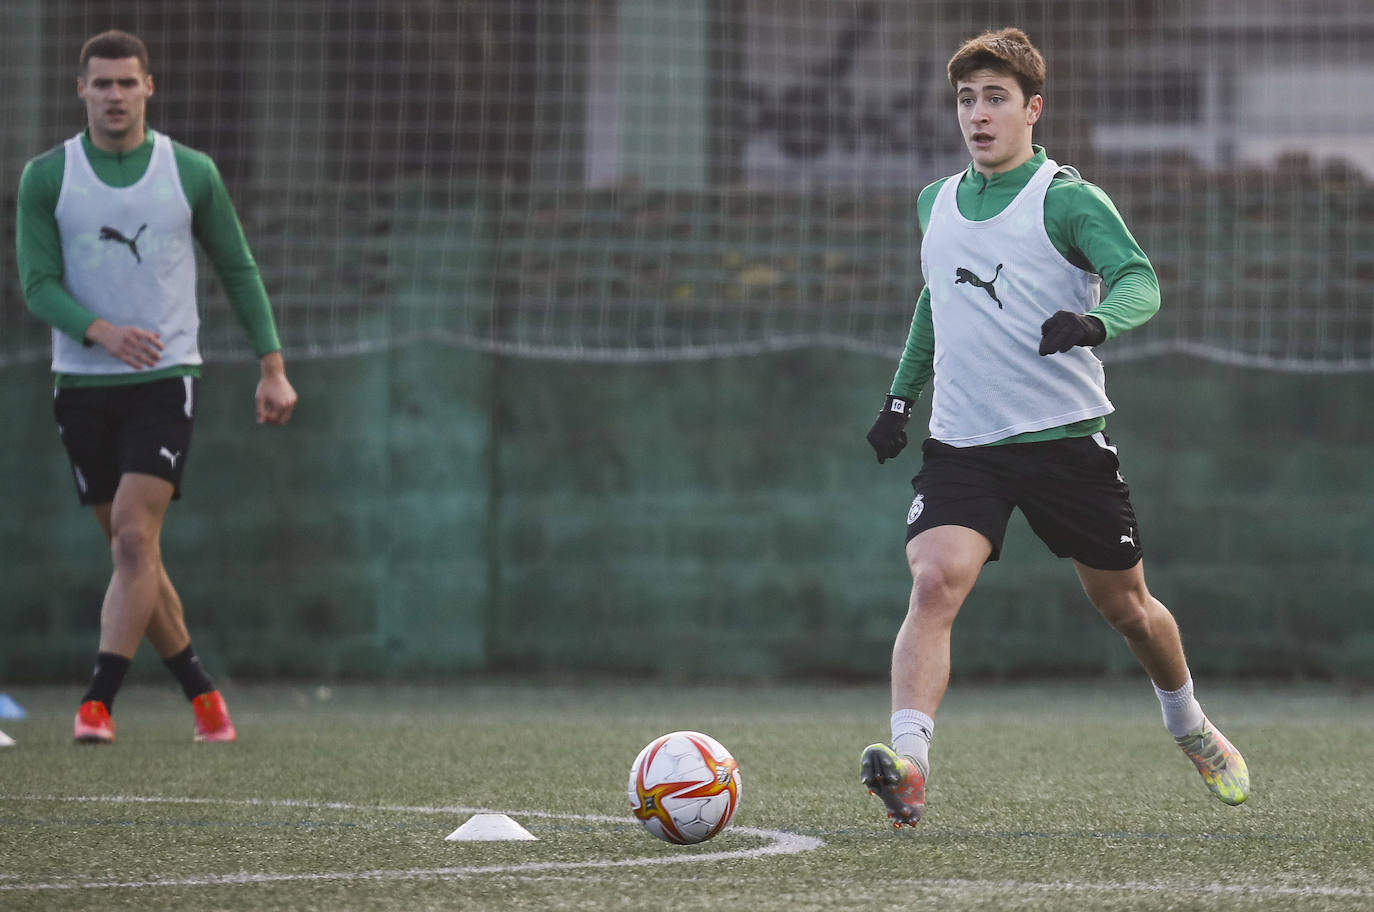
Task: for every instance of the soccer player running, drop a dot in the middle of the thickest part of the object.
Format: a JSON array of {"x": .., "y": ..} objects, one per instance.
[
  {"x": 104, "y": 236},
  {"x": 1013, "y": 252}
]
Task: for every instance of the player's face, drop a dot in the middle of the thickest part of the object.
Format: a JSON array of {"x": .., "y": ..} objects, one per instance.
[
  {"x": 996, "y": 120},
  {"x": 116, "y": 94}
]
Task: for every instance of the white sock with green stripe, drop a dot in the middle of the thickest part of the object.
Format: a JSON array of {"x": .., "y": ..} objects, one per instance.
[
  {"x": 1182, "y": 711},
  {"x": 911, "y": 734}
]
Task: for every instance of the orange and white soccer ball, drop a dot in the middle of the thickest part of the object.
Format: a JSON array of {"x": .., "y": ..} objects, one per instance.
[{"x": 684, "y": 787}]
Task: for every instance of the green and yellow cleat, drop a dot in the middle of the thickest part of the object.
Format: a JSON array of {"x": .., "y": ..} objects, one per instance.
[
  {"x": 1221, "y": 765},
  {"x": 897, "y": 781}
]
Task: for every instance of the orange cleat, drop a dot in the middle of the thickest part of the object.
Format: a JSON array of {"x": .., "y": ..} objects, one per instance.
[
  {"x": 212, "y": 718},
  {"x": 93, "y": 724}
]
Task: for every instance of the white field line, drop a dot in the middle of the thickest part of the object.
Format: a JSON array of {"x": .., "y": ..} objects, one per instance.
[
  {"x": 962, "y": 887},
  {"x": 779, "y": 843},
  {"x": 782, "y": 843}
]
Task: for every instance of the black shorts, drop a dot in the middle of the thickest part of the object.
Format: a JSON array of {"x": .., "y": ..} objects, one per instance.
[
  {"x": 134, "y": 427},
  {"x": 1070, "y": 491}
]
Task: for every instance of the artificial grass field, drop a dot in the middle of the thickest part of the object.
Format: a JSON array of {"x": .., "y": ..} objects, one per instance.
[{"x": 1042, "y": 796}]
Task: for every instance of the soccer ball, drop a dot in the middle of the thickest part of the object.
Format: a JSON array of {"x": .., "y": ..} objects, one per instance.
[{"x": 684, "y": 787}]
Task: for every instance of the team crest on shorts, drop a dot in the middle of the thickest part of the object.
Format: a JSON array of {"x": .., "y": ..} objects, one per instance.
[{"x": 918, "y": 507}]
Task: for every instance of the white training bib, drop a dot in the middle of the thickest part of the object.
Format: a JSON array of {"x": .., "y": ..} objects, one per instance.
[
  {"x": 127, "y": 256},
  {"x": 992, "y": 284}
]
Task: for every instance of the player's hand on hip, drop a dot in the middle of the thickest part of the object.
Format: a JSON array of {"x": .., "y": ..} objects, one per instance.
[
  {"x": 888, "y": 434},
  {"x": 1066, "y": 329},
  {"x": 135, "y": 346}
]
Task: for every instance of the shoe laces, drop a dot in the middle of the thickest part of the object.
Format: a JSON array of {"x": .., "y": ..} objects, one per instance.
[{"x": 1205, "y": 747}]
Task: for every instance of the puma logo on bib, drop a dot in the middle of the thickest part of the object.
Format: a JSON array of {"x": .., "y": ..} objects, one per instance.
[{"x": 962, "y": 276}]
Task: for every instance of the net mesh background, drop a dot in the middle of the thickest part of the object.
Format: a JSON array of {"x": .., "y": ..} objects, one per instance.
[{"x": 665, "y": 179}]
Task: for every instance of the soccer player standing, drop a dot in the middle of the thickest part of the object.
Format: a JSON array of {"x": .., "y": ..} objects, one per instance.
[
  {"x": 1014, "y": 252},
  {"x": 104, "y": 235}
]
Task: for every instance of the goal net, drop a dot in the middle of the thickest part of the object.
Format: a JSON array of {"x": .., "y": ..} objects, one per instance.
[{"x": 659, "y": 179}]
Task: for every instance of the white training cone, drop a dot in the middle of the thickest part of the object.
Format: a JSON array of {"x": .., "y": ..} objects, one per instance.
[
  {"x": 490, "y": 828},
  {"x": 6, "y": 740}
]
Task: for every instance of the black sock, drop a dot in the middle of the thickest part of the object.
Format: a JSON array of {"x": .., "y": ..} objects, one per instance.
[
  {"x": 185, "y": 667},
  {"x": 108, "y": 675}
]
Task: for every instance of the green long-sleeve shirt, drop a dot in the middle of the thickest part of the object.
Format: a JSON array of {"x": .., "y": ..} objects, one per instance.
[
  {"x": 214, "y": 224},
  {"x": 1084, "y": 226}
]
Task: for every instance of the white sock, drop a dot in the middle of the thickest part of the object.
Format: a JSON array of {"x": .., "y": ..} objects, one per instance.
[
  {"x": 911, "y": 734},
  {"x": 1182, "y": 712}
]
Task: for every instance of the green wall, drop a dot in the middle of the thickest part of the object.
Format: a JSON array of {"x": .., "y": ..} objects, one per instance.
[{"x": 433, "y": 512}]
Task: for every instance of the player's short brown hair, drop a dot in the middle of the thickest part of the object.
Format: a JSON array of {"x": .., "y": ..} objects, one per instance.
[
  {"x": 1007, "y": 51},
  {"x": 114, "y": 45}
]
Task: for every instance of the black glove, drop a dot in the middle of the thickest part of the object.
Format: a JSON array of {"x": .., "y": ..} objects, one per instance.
[
  {"x": 888, "y": 434},
  {"x": 1065, "y": 329}
]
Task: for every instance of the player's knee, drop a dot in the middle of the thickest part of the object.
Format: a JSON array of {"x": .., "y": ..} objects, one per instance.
[
  {"x": 935, "y": 593},
  {"x": 1130, "y": 616},
  {"x": 1134, "y": 625},
  {"x": 133, "y": 547}
]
